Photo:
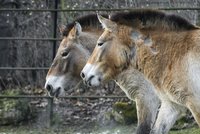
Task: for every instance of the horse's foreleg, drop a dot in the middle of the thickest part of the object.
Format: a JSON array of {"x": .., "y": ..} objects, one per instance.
[
  {"x": 144, "y": 118},
  {"x": 167, "y": 116},
  {"x": 146, "y": 113},
  {"x": 194, "y": 107}
]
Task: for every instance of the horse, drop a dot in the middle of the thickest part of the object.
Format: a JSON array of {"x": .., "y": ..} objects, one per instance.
[
  {"x": 164, "y": 47},
  {"x": 64, "y": 73},
  {"x": 79, "y": 39}
]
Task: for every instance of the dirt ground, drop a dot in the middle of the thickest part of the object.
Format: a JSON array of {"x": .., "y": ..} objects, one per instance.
[{"x": 120, "y": 129}]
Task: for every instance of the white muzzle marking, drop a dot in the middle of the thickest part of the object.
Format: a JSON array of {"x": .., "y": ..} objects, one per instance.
[
  {"x": 92, "y": 75},
  {"x": 57, "y": 83}
]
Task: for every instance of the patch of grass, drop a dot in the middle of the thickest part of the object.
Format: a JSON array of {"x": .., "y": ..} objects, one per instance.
[{"x": 193, "y": 130}]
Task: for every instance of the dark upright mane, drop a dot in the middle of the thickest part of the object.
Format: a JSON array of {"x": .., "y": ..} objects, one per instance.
[
  {"x": 90, "y": 20},
  {"x": 152, "y": 19}
]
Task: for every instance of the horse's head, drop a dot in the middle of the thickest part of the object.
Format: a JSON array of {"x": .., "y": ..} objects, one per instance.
[
  {"x": 115, "y": 51},
  {"x": 71, "y": 56},
  {"x": 73, "y": 53}
]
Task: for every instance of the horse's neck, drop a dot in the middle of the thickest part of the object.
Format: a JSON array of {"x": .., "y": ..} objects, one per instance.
[
  {"x": 137, "y": 88},
  {"x": 132, "y": 81},
  {"x": 171, "y": 47}
]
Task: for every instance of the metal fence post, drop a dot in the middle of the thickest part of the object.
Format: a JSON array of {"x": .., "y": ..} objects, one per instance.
[
  {"x": 50, "y": 112},
  {"x": 55, "y": 27},
  {"x": 50, "y": 100}
]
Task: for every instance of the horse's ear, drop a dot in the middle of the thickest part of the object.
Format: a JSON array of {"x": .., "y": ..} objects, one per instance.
[
  {"x": 78, "y": 28},
  {"x": 61, "y": 29},
  {"x": 106, "y": 23},
  {"x": 75, "y": 31}
]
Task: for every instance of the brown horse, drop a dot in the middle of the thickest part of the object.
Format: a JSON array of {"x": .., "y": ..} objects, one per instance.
[
  {"x": 165, "y": 48},
  {"x": 72, "y": 55},
  {"x": 78, "y": 41}
]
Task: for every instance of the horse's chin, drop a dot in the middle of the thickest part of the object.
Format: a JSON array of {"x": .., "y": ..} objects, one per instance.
[
  {"x": 107, "y": 78},
  {"x": 57, "y": 93},
  {"x": 69, "y": 90}
]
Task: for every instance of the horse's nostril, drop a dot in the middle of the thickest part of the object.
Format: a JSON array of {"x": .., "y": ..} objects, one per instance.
[
  {"x": 82, "y": 75},
  {"x": 89, "y": 84},
  {"x": 49, "y": 88},
  {"x": 57, "y": 92},
  {"x": 90, "y": 78},
  {"x": 99, "y": 79}
]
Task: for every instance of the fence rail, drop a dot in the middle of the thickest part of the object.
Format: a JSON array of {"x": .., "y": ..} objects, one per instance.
[
  {"x": 24, "y": 68},
  {"x": 65, "y": 97},
  {"x": 32, "y": 39},
  {"x": 97, "y": 9}
]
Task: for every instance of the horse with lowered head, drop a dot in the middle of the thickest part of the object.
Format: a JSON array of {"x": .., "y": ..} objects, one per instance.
[
  {"x": 78, "y": 42},
  {"x": 164, "y": 47},
  {"x": 71, "y": 56}
]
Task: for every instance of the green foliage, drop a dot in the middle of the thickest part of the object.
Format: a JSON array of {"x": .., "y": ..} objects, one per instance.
[
  {"x": 13, "y": 110},
  {"x": 7, "y": 104},
  {"x": 123, "y": 112},
  {"x": 187, "y": 131}
]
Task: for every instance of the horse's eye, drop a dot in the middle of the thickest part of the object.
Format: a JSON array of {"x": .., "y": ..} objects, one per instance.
[
  {"x": 100, "y": 44},
  {"x": 64, "y": 54}
]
